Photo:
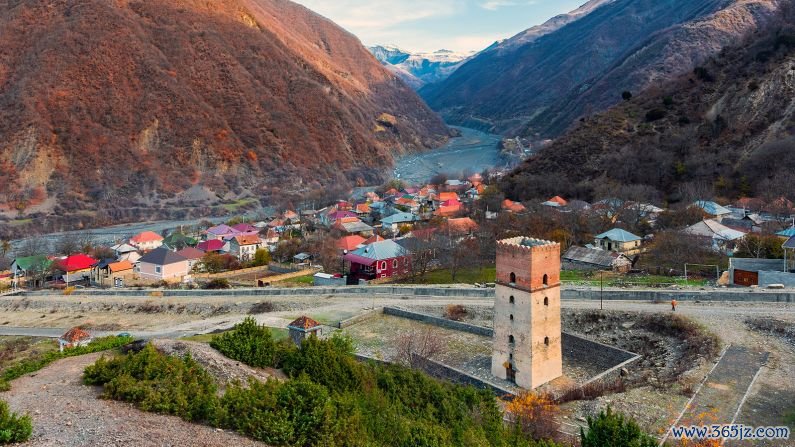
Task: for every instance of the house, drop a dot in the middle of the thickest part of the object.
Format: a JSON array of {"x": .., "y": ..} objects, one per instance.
[
  {"x": 450, "y": 210},
  {"x": 245, "y": 229},
  {"x": 789, "y": 254},
  {"x": 712, "y": 210},
  {"x": 350, "y": 243},
  {"x": 126, "y": 252},
  {"x": 178, "y": 241},
  {"x": 373, "y": 239},
  {"x": 74, "y": 338},
  {"x": 463, "y": 226},
  {"x": 408, "y": 203},
  {"x": 581, "y": 258},
  {"x": 75, "y": 267},
  {"x": 723, "y": 238},
  {"x": 213, "y": 246},
  {"x": 379, "y": 260},
  {"x": 271, "y": 237},
  {"x": 113, "y": 273},
  {"x": 193, "y": 255},
  {"x": 352, "y": 225},
  {"x": 35, "y": 269},
  {"x": 513, "y": 207},
  {"x": 750, "y": 223},
  {"x": 556, "y": 202},
  {"x": 303, "y": 328},
  {"x": 303, "y": 259},
  {"x": 163, "y": 265},
  {"x": 445, "y": 196},
  {"x": 362, "y": 209},
  {"x": 788, "y": 233},
  {"x": 395, "y": 221},
  {"x": 291, "y": 217},
  {"x": 148, "y": 240},
  {"x": 618, "y": 240},
  {"x": 244, "y": 247},
  {"x": 221, "y": 232}
]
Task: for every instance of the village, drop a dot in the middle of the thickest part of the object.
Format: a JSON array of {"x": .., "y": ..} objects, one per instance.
[{"x": 441, "y": 232}]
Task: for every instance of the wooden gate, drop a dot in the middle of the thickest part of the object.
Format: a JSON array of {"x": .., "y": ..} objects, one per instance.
[{"x": 746, "y": 278}]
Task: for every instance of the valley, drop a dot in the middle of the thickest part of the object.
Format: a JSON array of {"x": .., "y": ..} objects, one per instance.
[{"x": 474, "y": 151}]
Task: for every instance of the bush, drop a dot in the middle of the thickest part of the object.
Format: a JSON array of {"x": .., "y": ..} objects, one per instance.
[
  {"x": 261, "y": 257},
  {"x": 655, "y": 115},
  {"x": 13, "y": 428},
  {"x": 36, "y": 363},
  {"x": 217, "y": 284},
  {"x": 328, "y": 362},
  {"x": 249, "y": 343},
  {"x": 613, "y": 430},
  {"x": 455, "y": 312},
  {"x": 158, "y": 383}
]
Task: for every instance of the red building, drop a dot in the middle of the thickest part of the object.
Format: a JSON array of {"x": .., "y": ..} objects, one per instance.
[{"x": 378, "y": 260}]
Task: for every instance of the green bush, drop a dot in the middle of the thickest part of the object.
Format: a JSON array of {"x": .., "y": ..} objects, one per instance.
[
  {"x": 217, "y": 284},
  {"x": 158, "y": 383},
  {"x": 328, "y": 362},
  {"x": 13, "y": 428},
  {"x": 34, "y": 364},
  {"x": 249, "y": 343},
  {"x": 613, "y": 430}
]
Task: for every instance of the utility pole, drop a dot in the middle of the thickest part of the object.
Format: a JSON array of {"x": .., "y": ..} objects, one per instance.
[{"x": 601, "y": 290}]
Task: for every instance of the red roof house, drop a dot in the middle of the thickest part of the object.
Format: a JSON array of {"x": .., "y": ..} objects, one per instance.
[
  {"x": 73, "y": 338},
  {"x": 148, "y": 240},
  {"x": 350, "y": 243}
]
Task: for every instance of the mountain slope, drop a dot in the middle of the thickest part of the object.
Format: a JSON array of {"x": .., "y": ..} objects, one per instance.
[
  {"x": 538, "y": 86},
  {"x": 420, "y": 69},
  {"x": 130, "y": 103},
  {"x": 725, "y": 129}
]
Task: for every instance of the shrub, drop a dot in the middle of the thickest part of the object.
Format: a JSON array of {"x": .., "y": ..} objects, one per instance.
[
  {"x": 217, "y": 284},
  {"x": 261, "y": 257},
  {"x": 69, "y": 290},
  {"x": 158, "y": 383},
  {"x": 613, "y": 430},
  {"x": 249, "y": 343},
  {"x": 328, "y": 362},
  {"x": 261, "y": 308},
  {"x": 655, "y": 115},
  {"x": 455, "y": 312},
  {"x": 534, "y": 415},
  {"x": 13, "y": 428},
  {"x": 626, "y": 95}
]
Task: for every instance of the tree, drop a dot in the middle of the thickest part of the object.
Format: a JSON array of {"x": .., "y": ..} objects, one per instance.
[
  {"x": 534, "y": 415},
  {"x": 426, "y": 343},
  {"x": 759, "y": 246},
  {"x": 261, "y": 257},
  {"x": 13, "y": 428},
  {"x": 626, "y": 95},
  {"x": 614, "y": 430},
  {"x": 212, "y": 262},
  {"x": 5, "y": 247}
]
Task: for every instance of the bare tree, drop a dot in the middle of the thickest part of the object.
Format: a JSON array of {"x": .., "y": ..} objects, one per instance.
[
  {"x": 31, "y": 247},
  {"x": 425, "y": 343}
]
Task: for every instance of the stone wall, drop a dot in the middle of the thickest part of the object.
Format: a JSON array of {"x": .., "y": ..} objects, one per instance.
[
  {"x": 361, "y": 317},
  {"x": 682, "y": 295},
  {"x": 445, "y": 372},
  {"x": 767, "y": 278},
  {"x": 439, "y": 321}
]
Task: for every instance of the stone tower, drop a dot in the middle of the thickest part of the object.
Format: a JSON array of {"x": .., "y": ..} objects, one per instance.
[{"x": 527, "y": 339}]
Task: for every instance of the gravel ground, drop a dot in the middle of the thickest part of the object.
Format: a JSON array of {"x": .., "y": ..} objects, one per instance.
[
  {"x": 225, "y": 370},
  {"x": 67, "y": 413}
]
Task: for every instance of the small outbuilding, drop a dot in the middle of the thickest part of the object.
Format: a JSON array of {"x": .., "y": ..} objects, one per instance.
[
  {"x": 302, "y": 328},
  {"x": 74, "y": 338}
]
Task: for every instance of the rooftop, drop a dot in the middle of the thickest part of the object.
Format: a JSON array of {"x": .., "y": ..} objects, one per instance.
[
  {"x": 75, "y": 335},
  {"x": 618, "y": 235},
  {"x": 146, "y": 236},
  {"x": 162, "y": 256},
  {"x": 303, "y": 323}
]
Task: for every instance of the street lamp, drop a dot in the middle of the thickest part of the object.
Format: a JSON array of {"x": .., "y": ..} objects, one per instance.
[
  {"x": 344, "y": 253},
  {"x": 601, "y": 290}
]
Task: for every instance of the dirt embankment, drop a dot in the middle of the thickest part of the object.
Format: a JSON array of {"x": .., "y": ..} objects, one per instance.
[{"x": 67, "y": 413}]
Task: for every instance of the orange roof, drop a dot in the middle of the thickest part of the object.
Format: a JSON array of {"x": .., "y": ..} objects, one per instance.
[
  {"x": 146, "y": 236},
  {"x": 75, "y": 335},
  {"x": 290, "y": 215},
  {"x": 362, "y": 208},
  {"x": 512, "y": 206},
  {"x": 120, "y": 266},
  {"x": 448, "y": 211},
  {"x": 248, "y": 240},
  {"x": 406, "y": 202},
  {"x": 559, "y": 200},
  {"x": 348, "y": 220},
  {"x": 445, "y": 196},
  {"x": 462, "y": 225},
  {"x": 350, "y": 242},
  {"x": 304, "y": 323},
  {"x": 373, "y": 239}
]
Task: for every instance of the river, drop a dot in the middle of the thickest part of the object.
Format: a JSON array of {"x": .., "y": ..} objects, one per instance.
[{"x": 473, "y": 150}]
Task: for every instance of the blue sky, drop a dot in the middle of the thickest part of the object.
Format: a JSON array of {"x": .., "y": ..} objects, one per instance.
[{"x": 429, "y": 25}]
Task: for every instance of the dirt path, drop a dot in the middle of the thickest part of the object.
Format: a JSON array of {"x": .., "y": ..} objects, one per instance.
[{"x": 67, "y": 413}]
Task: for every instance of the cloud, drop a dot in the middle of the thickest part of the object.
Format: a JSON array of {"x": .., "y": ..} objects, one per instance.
[{"x": 379, "y": 14}]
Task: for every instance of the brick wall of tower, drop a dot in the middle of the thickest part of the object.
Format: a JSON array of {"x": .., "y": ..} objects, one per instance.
[{"x": 527, "y": 317}]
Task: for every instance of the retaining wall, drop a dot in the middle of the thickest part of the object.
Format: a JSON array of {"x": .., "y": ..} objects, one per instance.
[
  {"x": 445, "y": 372},
  {"x": 682, "y": 295},
  {"x": 767, "y": 278},
  {"x": 307, "y": 291},
  {"x": 359, "y": 318},
  {"x": 438, "y": 321}
]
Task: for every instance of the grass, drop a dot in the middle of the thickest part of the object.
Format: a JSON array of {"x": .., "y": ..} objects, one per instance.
[
  {"x": 611, "y": 279},
  {"x": 463, "y": 276},
  {"x": 238, "y": 204},
  {"x": 17, "y": 349},
  {"x": 277, "y": 334},
  {"x": 789, "y": 418}
]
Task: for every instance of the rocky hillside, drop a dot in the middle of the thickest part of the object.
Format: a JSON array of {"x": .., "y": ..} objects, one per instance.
[
  {"x": 131, "y": 103},
  {"x": 539, "y": 82},
  {"x": 727, "y": 129},
  {"x": 420, "y": 69}
]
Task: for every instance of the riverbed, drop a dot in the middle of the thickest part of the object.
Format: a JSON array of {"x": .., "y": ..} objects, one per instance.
[{"x": 473, "y": 150}]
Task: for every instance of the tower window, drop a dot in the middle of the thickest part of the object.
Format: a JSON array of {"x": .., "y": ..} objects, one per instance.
[
  {"x": 513, "y": 278},
  {"x": 510, "y": 339},
  {"x": 546, "y": 301},
  {"x": 546, "y": 341},
  {"x": 511, "y": 317},
  {"x": 511, "y": 299},
  {"x": 546, "y": 280}
]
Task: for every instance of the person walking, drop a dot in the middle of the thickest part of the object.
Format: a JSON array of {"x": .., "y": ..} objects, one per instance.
[{"x": 673, "y": 305}]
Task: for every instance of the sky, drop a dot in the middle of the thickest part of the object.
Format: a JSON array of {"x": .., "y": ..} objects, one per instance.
[{"x": 430, "y": 25}]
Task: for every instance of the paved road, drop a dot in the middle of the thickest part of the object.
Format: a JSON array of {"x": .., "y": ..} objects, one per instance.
[{"x": 6, "y": 331}]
